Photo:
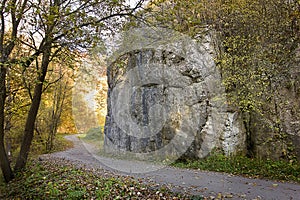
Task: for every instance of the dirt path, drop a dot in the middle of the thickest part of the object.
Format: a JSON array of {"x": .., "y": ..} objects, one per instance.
[{"x": 194, "y": 182}]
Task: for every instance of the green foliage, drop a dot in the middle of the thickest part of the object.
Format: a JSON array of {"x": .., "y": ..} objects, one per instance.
[
  {"x": 94, "y": 134},
  {"x": 256, "y": 42},
  {"x": 250, "y": 167},
  {"x": 259, "y": 46},
  {"x": 256, "y": 47},
  {"x": 57, "y": 179}
]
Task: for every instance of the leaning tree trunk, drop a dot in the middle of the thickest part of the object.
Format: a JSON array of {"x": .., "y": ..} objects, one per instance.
[
  {"x": 32, "y": 114},
  {"x": 4, "y": 161}
]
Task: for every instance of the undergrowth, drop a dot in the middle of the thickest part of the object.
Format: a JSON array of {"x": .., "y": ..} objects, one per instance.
[
  {"x": 58, "y": 180},
  {"x": 61, "y": 144},
  {"x": 250, "y": 167}
]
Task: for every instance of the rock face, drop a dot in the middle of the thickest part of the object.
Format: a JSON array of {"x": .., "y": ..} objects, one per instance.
[
  {"x": 165, "y": 100},
  {"x": 162, "y": 103}
]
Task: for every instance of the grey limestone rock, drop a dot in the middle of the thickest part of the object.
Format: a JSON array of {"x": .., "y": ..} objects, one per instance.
[{"x": 169, "y": 102}]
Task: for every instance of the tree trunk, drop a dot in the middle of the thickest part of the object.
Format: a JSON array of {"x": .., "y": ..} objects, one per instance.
[
  {"x": 57, "y": 109},
  {"x": 4, "y": 162},
  {"x": 33, "y": 111}
]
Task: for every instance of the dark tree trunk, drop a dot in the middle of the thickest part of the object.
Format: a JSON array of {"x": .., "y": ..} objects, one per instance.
[
  {"x": 4, "y": 161},
  {"x": 33, "y": 111}
]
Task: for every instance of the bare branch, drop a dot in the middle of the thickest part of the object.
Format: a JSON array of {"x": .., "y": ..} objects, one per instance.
[{"x": 53, "y": 82}]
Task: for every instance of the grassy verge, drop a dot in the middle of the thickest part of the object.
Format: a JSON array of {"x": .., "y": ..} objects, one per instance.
[
  {"x": 93, "y": 136},
  {"x": 58, "y": 180},
  {"x": 239, "y": 165},
  {"x": 61, "y": 144}
]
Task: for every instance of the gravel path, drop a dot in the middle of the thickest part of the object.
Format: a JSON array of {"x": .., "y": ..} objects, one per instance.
[{"x": 194, "y": 182}]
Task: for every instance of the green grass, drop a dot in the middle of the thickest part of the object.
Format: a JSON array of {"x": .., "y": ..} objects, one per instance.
[
  {"x": 61, "y": 144},
  {"x": 93, "y": 136},
  {"x": 250, "y": 167},
  {"x": 49, "y": 179}
]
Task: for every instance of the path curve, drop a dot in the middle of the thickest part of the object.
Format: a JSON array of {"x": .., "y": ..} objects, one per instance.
[{"x": 188, "y": 181}]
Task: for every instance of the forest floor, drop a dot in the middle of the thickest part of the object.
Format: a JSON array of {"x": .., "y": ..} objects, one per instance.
[{"x": 191, "y": 182}]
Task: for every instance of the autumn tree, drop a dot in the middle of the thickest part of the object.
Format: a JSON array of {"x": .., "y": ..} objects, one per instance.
[
  {"x": 46, "y": 28},
  {"x": 57, "y": 97}
]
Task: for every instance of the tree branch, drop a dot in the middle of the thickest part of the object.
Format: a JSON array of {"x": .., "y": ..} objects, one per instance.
[{"x": 130, "y": 13}]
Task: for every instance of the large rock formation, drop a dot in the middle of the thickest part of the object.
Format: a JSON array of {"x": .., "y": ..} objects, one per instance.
[
  {"x": 166, "y": 100},
  {"x": 169, "y": 103}
]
